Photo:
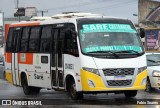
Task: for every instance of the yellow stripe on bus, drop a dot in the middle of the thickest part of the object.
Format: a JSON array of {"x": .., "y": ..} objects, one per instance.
[
  {"x": 100, "y": 86},
  {"x": 9, "y": 77}
]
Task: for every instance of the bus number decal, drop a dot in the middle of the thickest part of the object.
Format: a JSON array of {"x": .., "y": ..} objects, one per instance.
[{"x": 69, "y": 66}]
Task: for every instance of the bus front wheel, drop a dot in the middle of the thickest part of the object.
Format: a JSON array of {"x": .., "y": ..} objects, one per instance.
[
  {"x": 130, "y": 93},
  {"x": 73, "y": 93}
]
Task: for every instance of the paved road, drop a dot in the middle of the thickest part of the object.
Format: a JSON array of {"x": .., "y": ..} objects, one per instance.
[
  {"x": 61, "y": 99},
  {"x": 1, "y": 72}
]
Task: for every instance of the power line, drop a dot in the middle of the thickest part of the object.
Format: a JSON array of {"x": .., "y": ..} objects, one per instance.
[
  {"x": 111, "y": 6},
  {"x": 75, "y": 5}
]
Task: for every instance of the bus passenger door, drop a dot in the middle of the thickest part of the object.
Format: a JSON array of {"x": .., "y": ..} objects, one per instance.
[
  {"x": 60, "y": 45},
  {"x": 54, "y": 59},
  {"x": 15, "y": 68},
  {"x": 57, "y": 59}
]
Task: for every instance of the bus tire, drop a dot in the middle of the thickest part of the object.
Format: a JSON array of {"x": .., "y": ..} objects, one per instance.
[
  {"x": 4, "y": 75},
  {"x": 73, "y": 93},
  {"x": 26, "y": 89},
  {"x": 148, "y": 86},
  {"x": 130, "y": 93}
]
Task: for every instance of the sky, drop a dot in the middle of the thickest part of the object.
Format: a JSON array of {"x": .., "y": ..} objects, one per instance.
[{"x": 117, "y": 8}]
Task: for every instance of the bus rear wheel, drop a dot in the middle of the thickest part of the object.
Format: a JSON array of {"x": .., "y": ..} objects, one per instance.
[
  {"x": 4, "y": 75},
  {"x": 130, "y": 93},
  {"x": 73, "y": 93},
  {"x": 28, "y": 90}
]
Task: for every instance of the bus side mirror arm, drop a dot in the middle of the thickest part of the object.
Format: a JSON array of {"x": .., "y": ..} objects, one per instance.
[{"x": 142, "y": 32}]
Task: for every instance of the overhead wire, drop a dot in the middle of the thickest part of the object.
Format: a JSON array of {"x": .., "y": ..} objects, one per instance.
[
  {"x": 75, "y": 5},
  {"x": 120, "y": 4}
]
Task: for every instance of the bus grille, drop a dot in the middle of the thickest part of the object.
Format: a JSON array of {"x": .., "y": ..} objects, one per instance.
[
  {"x": 119, "y": 71},
  {"x": 119, "y": 82}
]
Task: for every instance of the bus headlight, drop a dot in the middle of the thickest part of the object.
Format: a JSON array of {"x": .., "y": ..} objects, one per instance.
[
  {"x": 141, "y": 69},
  {"x": 95, "y": 71},
  {"x": 156, "y": 73}
]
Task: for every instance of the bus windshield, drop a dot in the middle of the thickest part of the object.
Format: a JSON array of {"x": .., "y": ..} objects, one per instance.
[{"x": 104, "y": 37}]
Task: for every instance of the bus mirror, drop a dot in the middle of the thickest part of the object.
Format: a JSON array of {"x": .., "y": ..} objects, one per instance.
[{"x": 142, "y": 32}]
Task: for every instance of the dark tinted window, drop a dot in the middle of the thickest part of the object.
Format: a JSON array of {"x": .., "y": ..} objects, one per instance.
[
  {"x": 33, "y": 45},
  {"x": 60, "y": 46},
  {"x": 46, "y": 32},
  {"x": 25, "y": 33},
  {"x": 70, "y": 45},
  {"x": 24, "y": 39},
  {"x": 35, "y": 32},
  {"x": 15, "y": 39},
  {"x": 45, "y": 45},
  {"x": 45, "y": 42},
  {"x": 34, "y": 39},
  {"x": 9, "y": 41},
  {"x": 54, "y": 45},
  {"x": 23, "y": 45}
]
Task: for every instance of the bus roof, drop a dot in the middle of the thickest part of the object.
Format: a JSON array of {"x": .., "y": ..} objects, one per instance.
[{"x": 61, "y": 18}]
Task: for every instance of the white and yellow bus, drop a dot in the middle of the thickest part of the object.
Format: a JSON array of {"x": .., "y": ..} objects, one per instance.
[{"x": 78, "y": 52}]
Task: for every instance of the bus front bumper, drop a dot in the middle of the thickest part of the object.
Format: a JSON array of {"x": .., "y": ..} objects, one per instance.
[{"x": 94, "y": 83}]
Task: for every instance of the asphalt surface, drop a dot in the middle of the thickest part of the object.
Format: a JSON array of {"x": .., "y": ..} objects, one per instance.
[
  {"x": 1, "y": 72},
  {"x": 54, "y": 99}
]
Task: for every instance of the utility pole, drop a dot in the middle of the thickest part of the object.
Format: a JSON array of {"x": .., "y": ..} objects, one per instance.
[
  {"x": 17, "y": 3},
  {"x": 17, "y": 9},
  {"x": 42, "y": 12}
]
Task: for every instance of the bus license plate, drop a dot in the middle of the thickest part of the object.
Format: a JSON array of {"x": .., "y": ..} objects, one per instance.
[{"x": 119, "y": 78}]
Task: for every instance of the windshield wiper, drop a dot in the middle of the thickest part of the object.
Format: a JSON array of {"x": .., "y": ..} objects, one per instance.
[
  {"x": 128, "y": 51},
  {"x": 109, "y": 52},
  {"x": 153, "y": 61}
]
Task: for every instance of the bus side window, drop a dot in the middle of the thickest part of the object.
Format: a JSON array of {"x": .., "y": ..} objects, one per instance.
[
  {"x": 70, "y": 44},
  {"x": 9, "y": 41},
  {"x": 24, "y": 39},
  {"x": 45, "y": 42},
  {"x": 15, "y": 39},
  {"x": 34, "y": 39}
]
